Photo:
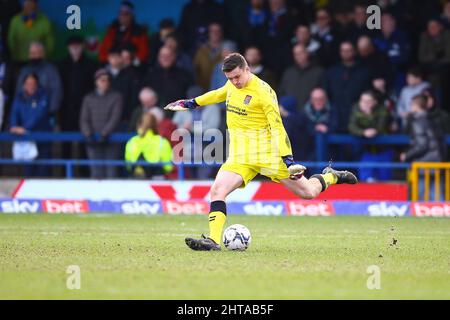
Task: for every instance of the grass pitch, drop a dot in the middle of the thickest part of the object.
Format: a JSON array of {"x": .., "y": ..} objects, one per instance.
[{"x": 141, "y": 257}]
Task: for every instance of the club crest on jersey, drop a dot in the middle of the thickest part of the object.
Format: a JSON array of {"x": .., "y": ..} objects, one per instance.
[{"x": 247, "y": 99}]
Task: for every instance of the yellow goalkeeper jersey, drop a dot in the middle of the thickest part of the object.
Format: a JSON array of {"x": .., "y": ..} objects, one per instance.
[{"x": 257, "y": 134}]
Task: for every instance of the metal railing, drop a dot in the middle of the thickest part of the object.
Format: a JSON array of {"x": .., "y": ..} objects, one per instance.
[
  {"x": 181, "y": 167},
  {"x": 322, "y": 143},
  {"x": 422, "y": 172},
  {"x": 324, "y": 140}
]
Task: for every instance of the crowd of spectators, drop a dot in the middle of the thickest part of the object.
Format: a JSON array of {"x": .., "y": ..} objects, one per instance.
[{"x": 331, "y": 72}]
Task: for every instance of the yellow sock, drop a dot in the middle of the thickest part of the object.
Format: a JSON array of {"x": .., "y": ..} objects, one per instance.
[
  {"x": 329, "y": 179},
  {"x": 216, "y": 222}
]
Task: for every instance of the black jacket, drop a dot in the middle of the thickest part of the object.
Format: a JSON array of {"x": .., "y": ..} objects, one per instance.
[
  {"x": 427, "y": 140},
  {"x": 196, "y": 16},
  {"x": 77, "y": 80},
  {"x": 126, "y": 82},
  {"x": 344, "y": 85},
  {"x": 170, "y": 84}
]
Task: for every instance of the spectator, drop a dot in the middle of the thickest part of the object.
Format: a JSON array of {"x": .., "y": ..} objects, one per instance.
[
  {"x": 427, "y": 142},
  {"x": 393, "y": 42},
  {"x": 279, "y": 29},
  {"x": 158, "y": 39},
  {"x": 303, "y": 37},
  {"x": 47, "y": 73},
  {"x": 376, "y": 62},
  {"x": 344, "y": 84},
  {"x": 255, "y": 24},
  {"x": 254, "y": 58},
  {"x": 436, "y": 114},
  {"x": 360, "y": 22},
  {"x": 434, "y": 55},
  {"x": 125, "y": 80},
  {"x": 129, "y": 60},
  {"x": 165, "y": 126},
  {"x": 148, "y": 99},
  {"x": 218, "y": 78},
  {"x": 415, "y": 85},
  {"x": 208, "y": 55},
  {"x": 182, "y": 58},
  {"x": 77, "y": 72},
  {"x": 323, "y": 32},
  {"x": 344, "y": 26},
  {"x": 125, "y": 30},
  {"x": 9, "y": 9},
  {"x": 417, "y": 14},
  {"x": 236, "y": 12},
  {"x": 197, "y": 122},
  {"x": 445, "y": 16},
  {"x": 168, "y": 80},
  {"x": 2, "y": 108},
  {"x": 26, "y": 28},
  {"x": 369, "y": 120},
  {"x": 100, "y": 115},
  {"x": 150, "y": 147},
  {"x": 196, "y": 16},
  {"x": 386, "y": 98},
  {"x": 6, "y": 81},
  {"x": 29, "y": 113},
  {"x": 291, "y": 119},
  {"x": 299, "y": 79},
  {"x": 303, "y": 11},
  {"x": 318, "y": 116}
]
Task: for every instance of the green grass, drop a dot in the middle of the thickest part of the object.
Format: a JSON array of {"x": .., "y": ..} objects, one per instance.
[{"x": 139, "y": 257}]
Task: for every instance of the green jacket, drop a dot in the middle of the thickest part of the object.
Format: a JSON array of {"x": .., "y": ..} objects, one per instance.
[
  {"x": 359, "y": 121},
  {"x": 151, "y": 148},
  {"x": 20, "y": 36}
]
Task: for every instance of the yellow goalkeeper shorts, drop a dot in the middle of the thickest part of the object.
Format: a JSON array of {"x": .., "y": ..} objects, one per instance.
[{"x": 274, "y": 171}]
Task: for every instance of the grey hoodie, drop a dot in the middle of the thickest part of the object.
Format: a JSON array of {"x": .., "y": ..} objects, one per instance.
[{"x": 406, "y": 96}]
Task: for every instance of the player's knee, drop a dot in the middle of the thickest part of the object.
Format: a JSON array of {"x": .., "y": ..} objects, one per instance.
[
  {"x": 218, "y": 192},
  {"x": 306, "y": 194}
]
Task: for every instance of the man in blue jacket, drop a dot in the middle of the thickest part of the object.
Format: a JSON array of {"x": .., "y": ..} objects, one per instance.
[
  {"x": 345, "y": 82},
  {"x": 49, "y": 78},
  {"x": 30, "y": 113}
]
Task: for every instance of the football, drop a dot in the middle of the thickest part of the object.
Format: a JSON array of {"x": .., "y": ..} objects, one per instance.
[{"x": 237, "y": 237}]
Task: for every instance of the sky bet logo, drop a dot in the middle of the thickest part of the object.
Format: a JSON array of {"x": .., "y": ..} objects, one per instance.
[
  {"x": 384, "y": 209},
  {"x": 259, "y": 208},
  {"x": 20, "y": 206},
  {"x": 141, "y": 207},
  {"x": 48, "y": 206}
]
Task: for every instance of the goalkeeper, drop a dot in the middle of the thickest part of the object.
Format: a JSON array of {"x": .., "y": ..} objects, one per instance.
[{"x": 258, "y": 144}]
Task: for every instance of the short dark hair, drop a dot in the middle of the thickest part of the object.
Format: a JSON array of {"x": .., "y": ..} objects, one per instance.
[
  {"x": 233, "y": 61},
  {"x": 129, "y": 47},
  {"x": 416, "y": 71},
  {"x": 33, "y": 76},
  {"x": 116, "y": 49},
  {"x": 421, "y": 101},
  {"x": 75, "y": 39},
  {"x": 166, "y": 23}
]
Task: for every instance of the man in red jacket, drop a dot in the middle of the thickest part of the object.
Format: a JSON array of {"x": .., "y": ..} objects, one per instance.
[{"x": 123, "y": 31}]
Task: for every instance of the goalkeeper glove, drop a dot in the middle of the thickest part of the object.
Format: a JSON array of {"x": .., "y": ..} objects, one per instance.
[
  {"x": 182, "y": 105},
  {"x": 296, "y": 171}
]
